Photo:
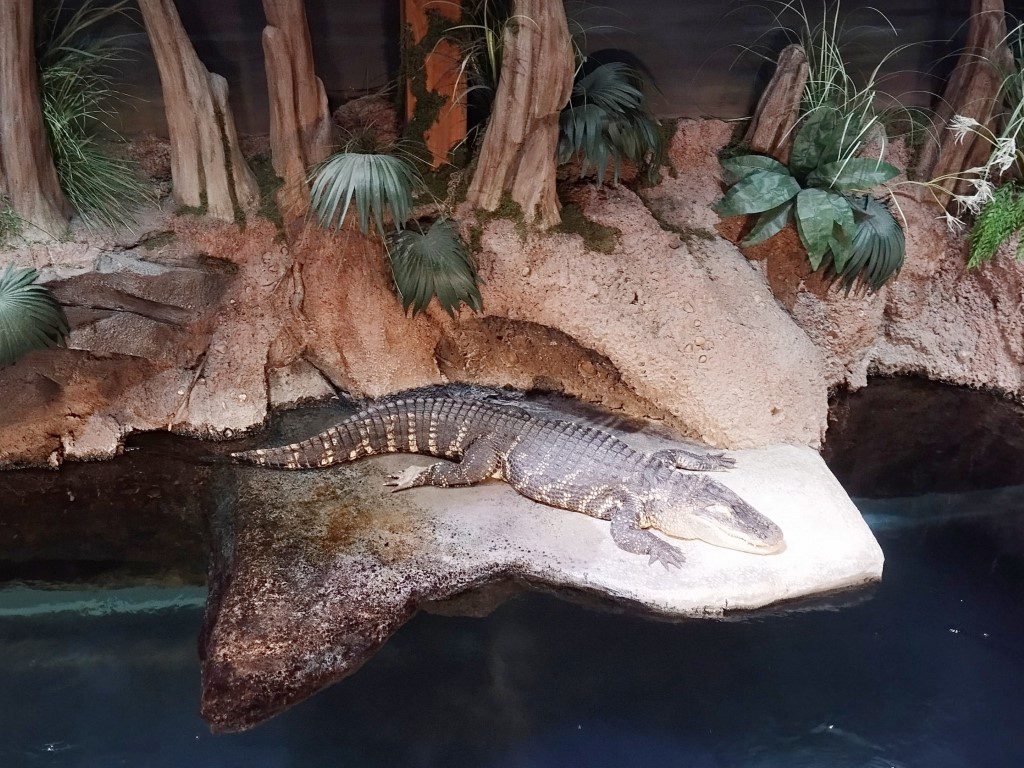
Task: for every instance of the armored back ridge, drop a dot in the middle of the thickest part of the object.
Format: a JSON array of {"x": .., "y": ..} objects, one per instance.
[{"x": 554, "y": 462}]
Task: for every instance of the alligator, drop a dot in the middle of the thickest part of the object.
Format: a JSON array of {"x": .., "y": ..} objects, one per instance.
[{"x": 558, "y": 463}]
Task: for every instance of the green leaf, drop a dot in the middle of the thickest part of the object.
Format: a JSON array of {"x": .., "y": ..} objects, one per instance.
[
  {"x": 815, "y": 218},
  {"x": 378, "y": 184},
  {"x": 877, "y": 250},
  {"x": 744, "y": 165},
  {"x": 816, "y": 141},
  {"x": 769, "y": 224},
  {"x": 857, "y": 173},
  {"x": 434, "y": 263},
  {"x": 757, "y": 192},
  {"x": 839, "y": 246},
  {"x": 30, "y": 316},
  {"x": 843, "y": 214}
]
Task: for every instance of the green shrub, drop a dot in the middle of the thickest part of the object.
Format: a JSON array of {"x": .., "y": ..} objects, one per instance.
[
  {"x": 75, "y": 66},
  {"x": 854, "y": 237},
  {"x": 10, "y": 222},
  {"x": 30, "y": 317}
]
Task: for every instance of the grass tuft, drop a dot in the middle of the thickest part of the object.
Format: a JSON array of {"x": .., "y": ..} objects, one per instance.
[{"x": 75, "y": 79}]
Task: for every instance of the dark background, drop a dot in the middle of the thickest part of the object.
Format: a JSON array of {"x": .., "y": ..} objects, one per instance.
[{"x": 694, "y": 50}]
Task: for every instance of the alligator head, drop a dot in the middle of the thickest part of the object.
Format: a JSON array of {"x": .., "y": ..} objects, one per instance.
[{"x": 697, "y": 507}]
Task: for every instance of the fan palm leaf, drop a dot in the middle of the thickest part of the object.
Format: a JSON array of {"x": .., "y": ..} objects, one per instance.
[
  {"x": 434, "y": 263},
  {"x": 378, "y": 184},
  {"x": 607, "y": 121},
  {"x": 876, "y": 250},
  {"x": 30, "y": 317}
]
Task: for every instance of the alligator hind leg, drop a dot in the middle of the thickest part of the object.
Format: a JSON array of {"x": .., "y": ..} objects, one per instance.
[
  {"x": 479, "y": 462},
  {"x": 694, "y": 460},
  {"x": 630, "y": 536}
]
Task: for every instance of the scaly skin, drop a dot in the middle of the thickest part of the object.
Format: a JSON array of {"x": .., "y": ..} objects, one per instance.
[{"x": 557, "y": 463}]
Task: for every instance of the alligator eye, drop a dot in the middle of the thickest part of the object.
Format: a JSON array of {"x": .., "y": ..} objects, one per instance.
[{"x": 720, "y": 511}]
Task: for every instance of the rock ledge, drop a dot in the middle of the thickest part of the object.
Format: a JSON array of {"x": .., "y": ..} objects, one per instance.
[{"x": 325, "y": 565}]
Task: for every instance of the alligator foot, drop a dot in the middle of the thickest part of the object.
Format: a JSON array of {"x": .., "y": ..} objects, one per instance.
[
  {"x": 667, "y": 555},
  {"x": 694, "y": 461},
  {"x": 407, "y": 478}
]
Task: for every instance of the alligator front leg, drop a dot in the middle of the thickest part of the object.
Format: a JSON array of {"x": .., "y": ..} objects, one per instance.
[
  {"x": 693, "y": 460},
  {"x": 479, "y": 462},
  {"x": 630, "y": 536}
]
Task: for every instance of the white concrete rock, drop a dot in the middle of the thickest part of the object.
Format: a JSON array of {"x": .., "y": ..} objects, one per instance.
[
  {"x": 323, "y": 565},
  {"x": 828, "y": 545}
]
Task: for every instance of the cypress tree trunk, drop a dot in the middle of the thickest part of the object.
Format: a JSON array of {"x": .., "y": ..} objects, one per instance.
[
  {"x": 26, "y": 163},
  {"x": 206, "y": 162},
  {"x": 312, "y": 114},
  {"x": 972, "y": 91},
  {"x": 519, "y": 148}
]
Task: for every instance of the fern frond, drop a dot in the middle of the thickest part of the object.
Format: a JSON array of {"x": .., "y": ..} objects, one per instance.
[{"x": 1001, "y": 217}]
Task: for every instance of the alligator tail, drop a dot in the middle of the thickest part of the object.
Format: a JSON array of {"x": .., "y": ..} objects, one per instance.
[{"x": 386, "y": 427}]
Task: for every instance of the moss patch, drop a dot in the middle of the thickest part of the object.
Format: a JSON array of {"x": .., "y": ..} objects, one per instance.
[
  {"x": 689, "y": 235},
  {"x": 597, "y": 237},
  {"x": 158, "y": 241},
  {"x": 269, "y": 182},
  {"x": 194, "y": 210},
  {"x": 507, "y": 209}
]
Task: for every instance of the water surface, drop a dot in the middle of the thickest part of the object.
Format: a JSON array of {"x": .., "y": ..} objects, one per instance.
[{"x": 925, "y": 671}]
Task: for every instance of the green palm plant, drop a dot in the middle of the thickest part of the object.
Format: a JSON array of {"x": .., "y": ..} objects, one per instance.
[
  {"x": 378, "y": 184},
  {"x": 435, "y": 262},
  {"x": 854, "y": 237},
  {"x": 30, "y": 317},
  {"x": 607, "y": 122},
  {"x": 424, "y": 262},
  {"x": 76, "y": 87}
]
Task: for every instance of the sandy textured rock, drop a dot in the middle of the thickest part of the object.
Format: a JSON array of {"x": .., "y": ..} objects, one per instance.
[
  {"x": 689, "y": 326},
  {"x": 298, "y": 382},
  {"x": 326, "y": 565},
  {"x": 667, "y": 320},
  {"x": 936, "y": 319}
]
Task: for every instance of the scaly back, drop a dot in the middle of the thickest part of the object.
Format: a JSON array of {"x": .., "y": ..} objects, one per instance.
[{"x": 439, "y": 426}]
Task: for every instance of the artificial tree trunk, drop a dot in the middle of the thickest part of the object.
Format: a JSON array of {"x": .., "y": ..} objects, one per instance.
[
  {"x": 292, "y": 198},
  {"x": 26, "y": 164},
  {"x": 312, "y": 113},
  {"x": 972, "y": 91},
  {"x": 519, "y": 148},
  {"x": 301, "y": 129},
  {"x": 771, "y": 130},
  {"x": 439, "y": 78},
  {"x": 206, "y": 162}
]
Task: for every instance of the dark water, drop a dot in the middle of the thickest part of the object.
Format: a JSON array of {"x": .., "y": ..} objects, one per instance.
[{"x": 927, "y": 671}]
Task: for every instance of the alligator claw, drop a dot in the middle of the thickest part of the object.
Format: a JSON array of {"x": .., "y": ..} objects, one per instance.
[
  {"x": 407, "y": 478},
  {"x": 716, "y": 461},
  {"x": 667, "y": 555}
]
